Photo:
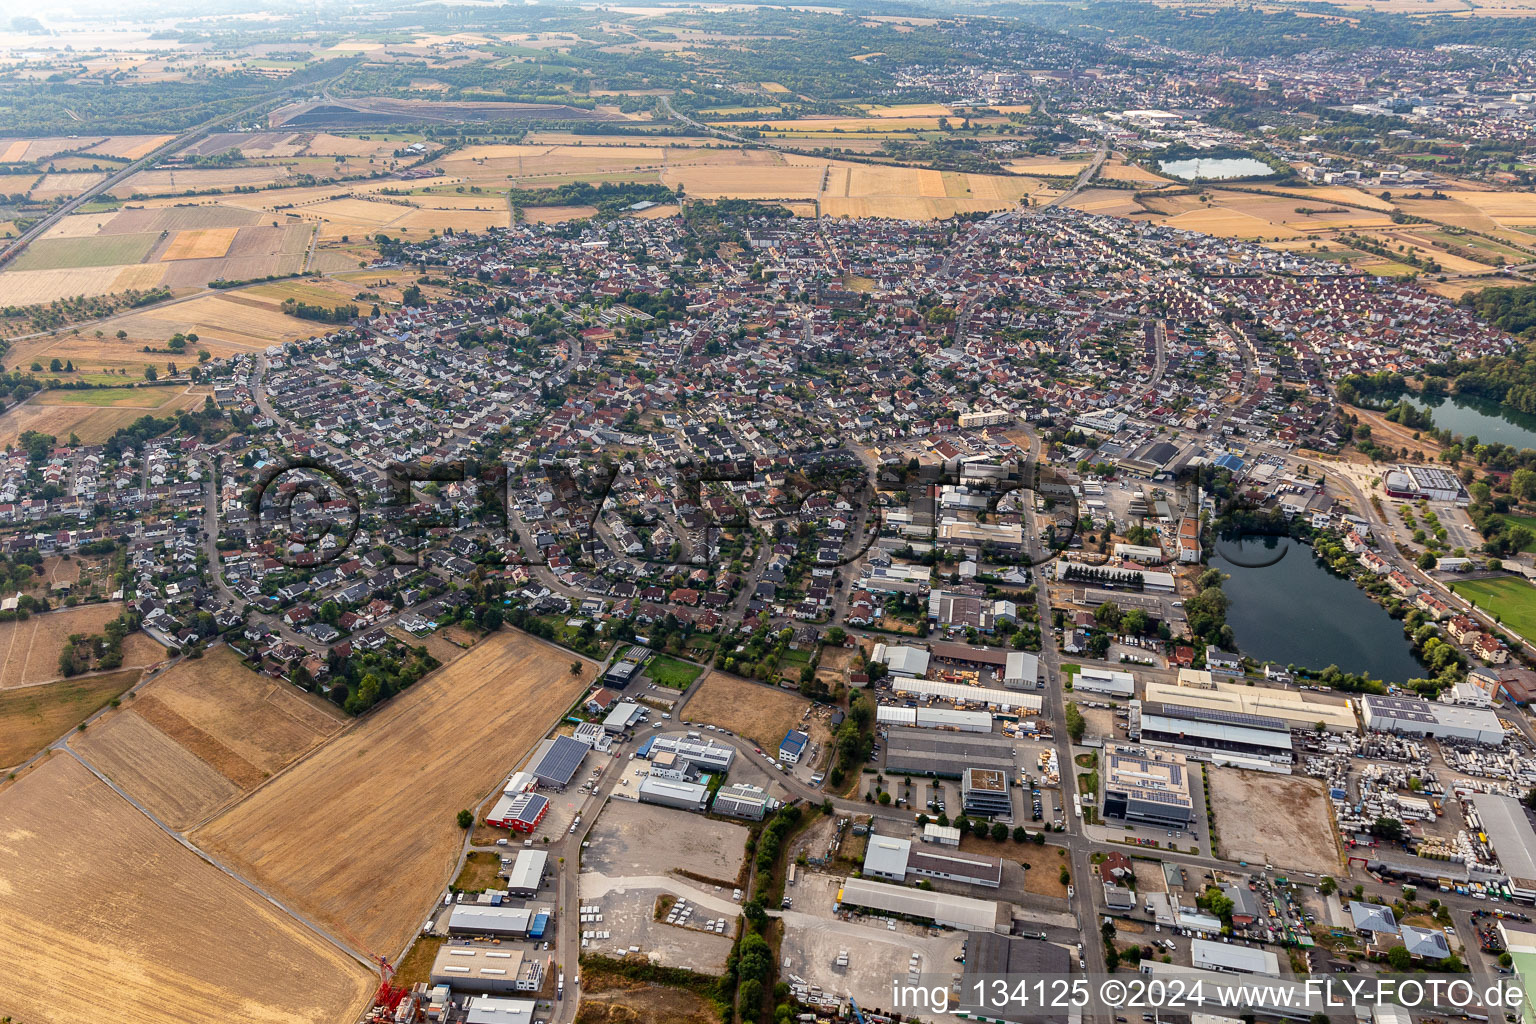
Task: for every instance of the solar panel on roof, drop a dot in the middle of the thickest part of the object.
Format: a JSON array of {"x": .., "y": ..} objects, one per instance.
[
  {"x": 1218, "y": 715},
  {"x": 562, "y": 760}
]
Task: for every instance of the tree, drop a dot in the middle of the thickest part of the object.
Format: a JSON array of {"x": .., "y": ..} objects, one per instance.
[
  {"x": 1328, "y": 886},
  {"x": 1020, "y": 834},
  {"x": 466, "y": 818},
  {"x": 1388, "y": 828},
  {"x": 1076, "y": 724},
  {"x": 1522, "y": 483},
  {"x": 999, "y": 831},
  {"x": 1399, "y": 958},
  {"x": 150, "y": 373},
  {"x": 1065, "y": 876},
  {"x": 575, "y": 668},
  {"x": 1427, "y": 561}
]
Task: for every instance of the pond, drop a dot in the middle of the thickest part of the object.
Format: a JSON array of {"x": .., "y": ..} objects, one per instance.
[
  {"x": 1216, "y": 168},
  {"x": 1296, "y": 612},
  {"x": 1469, "y": 415}
]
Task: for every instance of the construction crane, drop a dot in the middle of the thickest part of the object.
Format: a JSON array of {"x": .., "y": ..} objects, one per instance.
[
  {"x": 389, "y": 994},
  {"x": 858, "y": 1014}
]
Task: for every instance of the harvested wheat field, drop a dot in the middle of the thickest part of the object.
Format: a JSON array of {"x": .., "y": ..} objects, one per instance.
[
  {"x": 53, "y": 412},
  {"x": 30, "y": 647},
  {"x": 199, "y": 244},
  {"x": 760, "y": 712},
  {"x": 361, "y": 834},
  {"x": 29, "y": 287},
  {"x": 80, "y": 941},
  {"x": 154, "y": 769},
  {"x": 31, "y": 717}
]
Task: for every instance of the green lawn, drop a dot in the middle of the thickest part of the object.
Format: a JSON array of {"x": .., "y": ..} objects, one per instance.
[
  {"x": 1511, "y": 599},
  {"x": 671, "y": 673}
]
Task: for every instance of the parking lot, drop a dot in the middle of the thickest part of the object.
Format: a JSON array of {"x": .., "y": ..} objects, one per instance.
[{"x": 628, "y": 922}]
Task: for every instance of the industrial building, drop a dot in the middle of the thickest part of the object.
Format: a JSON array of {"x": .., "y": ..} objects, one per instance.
[
  {"x": 962, "y": 912},
  {"x": 742, "y": 801},
  {"x": 1503, "y": 819},
  {"x": 520, "y": 813},
  {"x": 1233, "y": 959},
  {"x": 686, "y": 796},
  {"x": 498, "y": 1010},
  {"x": 1283, "y": 998},
  {"x": 498, "y": 922},
  {"x": 556, "y": 761},
  {"x": 903, "y": 662},
  {"x": 1222, "y": 737},
  {"x": 624, "y": 714},
  {"x": 895, "y": 860},
  {"x": 935, "y": 718},
  {"x": 1430, "y": 482},
  {"x": 1021, "y": 671},
  {"x": 1197, "y": 688},
  {"x": 989, "y": 955},
  {"x": 482, "y": 970},
  {"x": 527, "y": 873},
  {"x": 1090, "y": 679},
  {"x": 985, "y": 791},
  {"x": 792, "y": 746},
  {"x": 1411, "y": 716},
  {"x": 1147, "y": 785},
  {"x": 987, "y": 696},
  {"x": 926, "y": 752},
  {"x": 702, "y": 756}
]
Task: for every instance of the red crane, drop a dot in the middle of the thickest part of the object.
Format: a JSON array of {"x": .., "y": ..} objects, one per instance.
[{"x": 389, "y": 994}]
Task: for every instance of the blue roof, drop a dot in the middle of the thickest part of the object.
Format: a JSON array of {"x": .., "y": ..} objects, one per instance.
[
  {"x": 536, "y": 929},
  {"x": 794, "y": 741},
  {"x": 645, "y": 748},
  {"x": 1229, "y": 461}
]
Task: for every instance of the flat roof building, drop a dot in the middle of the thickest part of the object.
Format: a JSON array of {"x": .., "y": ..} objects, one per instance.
[
  {"x": 1504, "y": 820},
  {"x": 935, "y": 718},
  {"x": 927, "y": 752},
  {"x": 1233, "y": 959},
  {"x": 1197, "y": 688},
  {"x": 742, "y": 801},
  {"x": 624, "y": 714},
  {"x": 498, "y": 1010},
  {"x": 985, "y": 791},
  {"x": 1090, "y": 679},
  {"x": 903, "y": 662},
  {"x": 941, "y": 908},
  {"x": 686, "y": 796},
  {"x": 988, "y": 954},
  {"x": 701, "y": 755},
  {"x": 989, "y": 696},
  {"x": 1411, "y": 716},
  {"x": 1147, "y": 785},
  {"x": 502, "y": 922},
  {"x": 479, "y": 969}
]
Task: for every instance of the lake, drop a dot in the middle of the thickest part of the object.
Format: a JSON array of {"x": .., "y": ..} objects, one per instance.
[
  {"x": 1469, "y": 415},
  {"x": 1215, "y": 168},
  {"x": 1295, "y": 612}
]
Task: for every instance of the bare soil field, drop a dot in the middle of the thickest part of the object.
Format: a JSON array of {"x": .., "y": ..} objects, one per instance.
[
  {"x": 154, "y": 769},
  {"x": 757, "y": 711},
  {"x": 614, "y": 999},
  {"x": 29, "y": 648},
  {"x": 31, "y": 717},
  {"x": 30, "y": 287},
  {"x": 1295, "y": 819},
  {"x": 204, "y": 945},
  {"x": 361, "y": 833}
]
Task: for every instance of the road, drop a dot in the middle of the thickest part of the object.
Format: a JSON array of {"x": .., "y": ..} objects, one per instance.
[{"x": 1088, "y": 174}]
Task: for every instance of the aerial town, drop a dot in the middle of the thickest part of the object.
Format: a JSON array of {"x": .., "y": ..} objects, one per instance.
[{"x": 714, "y": 513}]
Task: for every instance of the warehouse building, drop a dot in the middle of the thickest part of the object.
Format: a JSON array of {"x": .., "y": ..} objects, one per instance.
[
  {"x": 945, "y": 909},
  {"x": 743, "y": 801},
  {"x": 705, "y": 757},
  {"x": 483, "y": 971},
  {"x": 1147, "y": 785},
  {"x": 985, "y": 791},
  {"x": 686, "y": 796},
  {"x": 926, "y": 752},
  {"x": 498, "y": 922},
  {"x": 1232, "y": 959},
  {"x": 1198, "y": 688},
  {"x": 1221, "y": 737},
  {"x": 521, "y": 812},
  {"x": 903, "y": 662},
  {"x": 527, "y": 873},
  {"x": 1503, "y": 819},
  {"x": 987, "y": 696},
  {"x": 1106, "y": 681},
  {"x": 1431, "y": 482},
  {"x": 624, "y": 714},
  {"x": 1410, "y": 716},
  {"x": 498, "y": 1010},
  {"x": 989, "y": 955},
  {"x": 1021, "y": 671},
  {"x": 897, "y": 860},
  {"x": 556, "y": 761},
  {"x": 935, "y": 718}
]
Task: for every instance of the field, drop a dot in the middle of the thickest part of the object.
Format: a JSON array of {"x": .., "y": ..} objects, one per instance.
[
  {"x": 1510, "y": 599},
  {"x": 199, "y": 244},
  {"x": 101, "y": 251},
  {"x": 1294, "y": 828},
  {"x": 361, "y": 834},
  {"x": 761, "y": 713},
  {"x": 608, "y": 997},
  {"x": 669, "y": 672},
  {"x": 202, "y": 944},
  {"x": 31, "y": 717},
  {"x": 62, "y": 413},
  {"x": 206, "y": 731},
  {"x": 29, "y": 648}
]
